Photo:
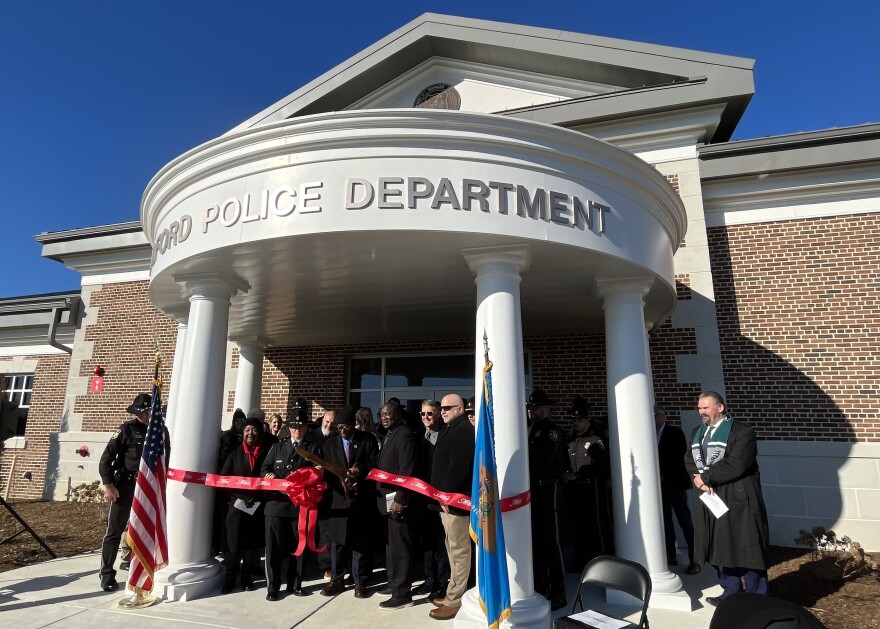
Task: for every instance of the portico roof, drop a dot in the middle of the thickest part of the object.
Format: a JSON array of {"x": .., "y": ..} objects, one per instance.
[
  {"x": 627, "y": 78},
  {"x": 339, "y": 269}
]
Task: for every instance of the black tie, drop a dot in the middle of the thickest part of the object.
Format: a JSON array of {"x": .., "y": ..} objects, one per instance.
[{"x": 705, "y": 444}]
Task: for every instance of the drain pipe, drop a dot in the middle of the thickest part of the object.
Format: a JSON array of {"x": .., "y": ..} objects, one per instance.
[{"x": 69, "y": 306}]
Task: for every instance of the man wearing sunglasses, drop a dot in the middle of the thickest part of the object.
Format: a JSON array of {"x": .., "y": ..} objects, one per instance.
[
  {"x": 452, "y": 471},
  {"x": 432, "y": 537}
]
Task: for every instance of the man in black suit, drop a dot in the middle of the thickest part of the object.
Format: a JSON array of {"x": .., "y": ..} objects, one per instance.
[
  {"x": 399, "y": 455},
  {"x": 281, "y": 514},
  {"x": 452, "y": 471},
  {"x": 353, "y": 504},
  {"x": 675, "y": 484}
]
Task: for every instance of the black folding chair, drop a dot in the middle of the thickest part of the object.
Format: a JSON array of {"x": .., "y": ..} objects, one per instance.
[
  {"x": 753, "y": 611},
  {"x": 615, "y": 574}
]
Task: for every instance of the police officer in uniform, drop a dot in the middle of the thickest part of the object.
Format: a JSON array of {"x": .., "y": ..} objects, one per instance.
[
  {"x": 586, "y": 497},
  {"x": 281, "y": 514},
  {"x": 118, "y": 469},
  {"x": 547, "y": 464}
]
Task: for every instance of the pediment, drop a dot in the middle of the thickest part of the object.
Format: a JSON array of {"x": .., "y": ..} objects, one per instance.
[
  {"x": 480, "y": 88},
  {"x": 567, "y": 79}
]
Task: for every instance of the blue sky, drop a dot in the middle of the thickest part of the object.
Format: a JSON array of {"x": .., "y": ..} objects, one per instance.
[{"x": 96, "y": 96}]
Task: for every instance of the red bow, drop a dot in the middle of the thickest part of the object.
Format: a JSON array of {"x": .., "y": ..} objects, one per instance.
[{"x": 305, "y": 492}]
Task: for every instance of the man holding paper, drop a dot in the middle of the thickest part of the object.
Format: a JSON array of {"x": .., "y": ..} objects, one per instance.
[{"x": 723, "y": 464}]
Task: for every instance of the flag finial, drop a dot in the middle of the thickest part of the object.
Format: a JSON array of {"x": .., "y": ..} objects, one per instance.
[{"x": 485, "y": 346}]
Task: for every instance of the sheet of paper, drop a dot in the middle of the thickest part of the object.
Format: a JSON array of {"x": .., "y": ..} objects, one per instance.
[
  {"x": 389, "y": 498},
  {"x": 714, "y": 504},
  {"x": 599, "y": 620},
  {"x": 239, "y": 504}
]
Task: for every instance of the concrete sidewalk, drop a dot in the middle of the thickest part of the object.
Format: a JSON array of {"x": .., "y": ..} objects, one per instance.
[{"x": 65, "y": 593}]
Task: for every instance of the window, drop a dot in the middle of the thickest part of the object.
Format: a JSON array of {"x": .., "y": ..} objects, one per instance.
[
  {"x": 18, "y": 389},
  {"x": 412, "y": 378}
]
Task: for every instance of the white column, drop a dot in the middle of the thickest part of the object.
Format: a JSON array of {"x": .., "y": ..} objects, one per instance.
[
  {"x": 176, "y": 368},
  {"x": 497, "y": 271},
  {"x": 192, "y": 571},
  {"x": 249, "y": 378},
  {"x": 635, "y": 476}
]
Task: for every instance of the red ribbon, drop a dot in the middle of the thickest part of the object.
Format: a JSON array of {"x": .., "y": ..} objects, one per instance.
[
  {"x": 304, "y": 487},
  {"x": 307, "y": 487},
  {"x": 450, "y": 499}
]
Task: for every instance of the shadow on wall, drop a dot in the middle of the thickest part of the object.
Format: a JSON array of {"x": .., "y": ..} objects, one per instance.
[{"x": 776, "y": 396}]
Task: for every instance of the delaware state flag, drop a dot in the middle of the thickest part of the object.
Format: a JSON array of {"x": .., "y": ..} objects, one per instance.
[{"x": 486, "y": 527}]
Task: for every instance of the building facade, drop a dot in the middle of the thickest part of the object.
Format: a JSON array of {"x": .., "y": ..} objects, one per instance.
[{"x": 576, "y": 199}]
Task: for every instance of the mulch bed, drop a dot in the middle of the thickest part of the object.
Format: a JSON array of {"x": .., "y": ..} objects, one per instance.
[{"x": 72, "y": 528}]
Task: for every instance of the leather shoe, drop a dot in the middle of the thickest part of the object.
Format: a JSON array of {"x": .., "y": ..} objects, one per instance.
[
  {"x": 558, "y": 602},
  {"x": 110, "y": 586},
  {"x": 438, "y": 602},
  {"x": 693, "y": 568},
  {"x": 272, "y": 596},
  {"x": 396, "y": 603},
  {"x": 333, "y": 588},
  {"x": 424, "y": 588},
  {"x": 125, "y": 565},
  {"x": 328, "y": 574},
  {"x": 248, "y": 587},
  {"x": 438, "y": 593},
  {"x": 713, "y": 600},
  {"x": 360, "y": 591},
  {"x": 443, "y": 613},
  {"x": 297, "y": 588}
]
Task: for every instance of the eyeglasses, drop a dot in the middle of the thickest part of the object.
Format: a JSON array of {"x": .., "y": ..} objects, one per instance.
[
  {"x": 426, "y": 414},
  {"x": 449, "y": 408}
]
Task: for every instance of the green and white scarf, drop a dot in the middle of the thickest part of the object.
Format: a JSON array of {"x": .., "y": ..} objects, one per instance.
[{"x": 716, "y": 447}]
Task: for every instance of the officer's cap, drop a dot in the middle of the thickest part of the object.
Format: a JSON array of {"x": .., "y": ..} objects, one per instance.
[
  {"x": 141, "y": 403},
  {"x": 539, "y": 398},
  {"x": 580, "y": 407},
  {"x": 470, "y": 405}
]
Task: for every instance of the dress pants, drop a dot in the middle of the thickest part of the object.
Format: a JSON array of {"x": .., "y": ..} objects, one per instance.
[
  {"x": 731, "y": 580},
  {"x": 432, "y": 538},
  {"x": 399, "y": 553},
  {"x": 458, "y": 548},
  {"x": 281, "y": 537},
  {"x": 117, "y": 520},
  {"x": 342, "y": 557},
  {"x": 676, "y": 500},
  {"x": 546, "y": 550}
]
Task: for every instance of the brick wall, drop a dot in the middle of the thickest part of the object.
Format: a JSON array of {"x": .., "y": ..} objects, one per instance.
[
  {"x": 564, "y": 366},
  {"x": 124, "y": 341},
  {"x": 799, "y": 322},
  {"x": 44, "y": 418}
]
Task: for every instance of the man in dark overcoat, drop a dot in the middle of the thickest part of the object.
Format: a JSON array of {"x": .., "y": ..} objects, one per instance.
[
  {"x": 675, "y": 483},
  {"x": 724, "y": 461},
  {"x": 400, "y": 456},
  {"x": 353, "y": 504}
]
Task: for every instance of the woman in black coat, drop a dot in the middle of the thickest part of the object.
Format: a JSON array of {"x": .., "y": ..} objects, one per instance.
[{"x": 244, "y": 530}]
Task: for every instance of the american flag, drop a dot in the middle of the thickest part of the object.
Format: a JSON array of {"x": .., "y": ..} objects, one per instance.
[{"x": 146, "y": 524}]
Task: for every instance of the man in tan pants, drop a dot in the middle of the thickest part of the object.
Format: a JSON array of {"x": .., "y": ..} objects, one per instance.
[{"x": 451, "y": 472}]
